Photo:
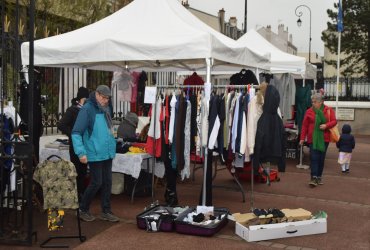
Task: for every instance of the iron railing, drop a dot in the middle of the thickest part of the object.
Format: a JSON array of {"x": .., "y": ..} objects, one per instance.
[{"x": 349, "y": 89}]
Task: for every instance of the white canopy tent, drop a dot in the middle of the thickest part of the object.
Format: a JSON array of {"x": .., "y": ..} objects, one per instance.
[
  {"x": 280, "y": 62},
  {"x": 151, "y": 35},
  {"x": 155, "y": 35}
]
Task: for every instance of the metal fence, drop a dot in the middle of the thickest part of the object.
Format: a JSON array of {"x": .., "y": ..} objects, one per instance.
[{"x": 349, "y": 89}]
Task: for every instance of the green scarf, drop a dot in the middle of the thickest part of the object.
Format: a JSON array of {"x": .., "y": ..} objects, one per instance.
[{"x": 318, "y": 134}]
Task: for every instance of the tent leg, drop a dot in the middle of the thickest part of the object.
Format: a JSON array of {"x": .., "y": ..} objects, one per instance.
[{"x": 208, "y": 80}]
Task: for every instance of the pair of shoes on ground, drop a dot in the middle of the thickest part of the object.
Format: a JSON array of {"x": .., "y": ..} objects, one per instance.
[
  {"x": 345, "y": 171},
  {"x": 276, "y": 213},
  {"x": 86, "y": 216},
  {"x": 315, "y": 181},
  {"x": 262, "y": 213}
]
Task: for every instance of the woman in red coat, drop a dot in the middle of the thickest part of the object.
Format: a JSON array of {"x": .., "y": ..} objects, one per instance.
[{"x": 315, "y": 129}]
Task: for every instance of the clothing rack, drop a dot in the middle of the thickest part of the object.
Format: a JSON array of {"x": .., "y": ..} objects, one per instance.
[
  {"x": 239, "y": 186},
  {"x": 79, "y": 236},
  {"x": 178, "y": 86}
]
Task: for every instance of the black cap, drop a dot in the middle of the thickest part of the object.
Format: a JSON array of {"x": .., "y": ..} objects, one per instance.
[{"x": 82, "y": 93}]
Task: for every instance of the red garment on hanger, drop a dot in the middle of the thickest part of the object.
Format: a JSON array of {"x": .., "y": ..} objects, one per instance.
[
  {"x": 154, "y": 146},
  {"x": 194, "y": 79}
]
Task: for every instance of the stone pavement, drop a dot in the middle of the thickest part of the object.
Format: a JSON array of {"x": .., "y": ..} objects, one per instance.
[{"x": 345, "y": 198}]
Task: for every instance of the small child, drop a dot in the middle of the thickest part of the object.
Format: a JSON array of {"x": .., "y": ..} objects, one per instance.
[{"x": 345, "y": 145}]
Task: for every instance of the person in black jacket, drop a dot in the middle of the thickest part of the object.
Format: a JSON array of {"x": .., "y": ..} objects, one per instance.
[
  {"x": 66, "y": 125},
  {"x": 345, "y": 145}
]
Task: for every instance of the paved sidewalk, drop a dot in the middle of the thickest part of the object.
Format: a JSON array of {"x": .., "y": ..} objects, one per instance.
[{"x": 345, "y": 197}]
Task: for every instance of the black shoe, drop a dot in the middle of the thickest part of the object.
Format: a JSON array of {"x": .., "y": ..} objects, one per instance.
[
  {"x": 172, "y": 200},
  {"x": 222, "y": 160},
  {"x": 167, "y": 195}
]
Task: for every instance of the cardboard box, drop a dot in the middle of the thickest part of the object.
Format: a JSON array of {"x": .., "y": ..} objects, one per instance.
[{"x": 281, "y": 230}]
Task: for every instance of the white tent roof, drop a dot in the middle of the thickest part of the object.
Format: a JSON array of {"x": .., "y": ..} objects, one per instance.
[
  {"x": 147, "y": 34},
  {"x": 279, "y": 60}
]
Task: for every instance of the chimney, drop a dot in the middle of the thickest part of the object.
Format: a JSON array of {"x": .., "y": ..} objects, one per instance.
[
  {"x": 283, "y": 34},
  {"x": 221, "y": 18},
  {"x": 233, "y": 21},
  {"x": 268, "y": 33},
  {"x": 185, "y": 3},
  {"x": 280, "y": 29}
]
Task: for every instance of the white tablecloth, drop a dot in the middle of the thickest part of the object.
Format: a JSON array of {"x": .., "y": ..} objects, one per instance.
[{"x": 130, "y": 164}]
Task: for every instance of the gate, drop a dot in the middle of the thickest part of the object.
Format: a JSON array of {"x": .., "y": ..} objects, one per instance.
[{"x": 16, "y": 161}]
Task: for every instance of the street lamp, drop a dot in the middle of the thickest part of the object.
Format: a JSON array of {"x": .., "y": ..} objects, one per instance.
[{"x": 299, "y": 23}]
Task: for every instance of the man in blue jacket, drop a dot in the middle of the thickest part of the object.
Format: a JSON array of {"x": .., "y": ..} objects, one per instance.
[{"x": 94, "y": 143}]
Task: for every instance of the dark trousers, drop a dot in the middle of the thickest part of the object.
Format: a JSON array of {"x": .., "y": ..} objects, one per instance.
[
  {"x": 81, "y": 170},
  {"x": 171, "y": 176},
  {"x": 101, "y": 177},
  {"x": 208, "y": 201},
  {"x": 317, "y": 161}
]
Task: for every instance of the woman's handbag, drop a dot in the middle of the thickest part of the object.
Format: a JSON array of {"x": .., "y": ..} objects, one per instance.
[{"x": 334, "y": 132}]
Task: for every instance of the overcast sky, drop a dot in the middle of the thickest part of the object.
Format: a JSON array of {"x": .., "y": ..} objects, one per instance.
[{"x": 274, "y": 12}]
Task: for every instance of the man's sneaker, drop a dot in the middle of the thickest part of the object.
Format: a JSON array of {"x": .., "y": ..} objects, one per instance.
[
  {"x": 86, "y": 216},
  {"x": 313, "y": 182},
  {"x": 319, "y": 181},
  {"x": 109, "y": 217}
]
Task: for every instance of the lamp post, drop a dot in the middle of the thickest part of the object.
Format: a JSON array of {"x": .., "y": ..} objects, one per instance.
[
  {"x": 245, "y": 16},
  {"x": 299, "y": 23}
]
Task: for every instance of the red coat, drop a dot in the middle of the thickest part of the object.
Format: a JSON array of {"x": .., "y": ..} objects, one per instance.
[{"x": 309, "y": 123}]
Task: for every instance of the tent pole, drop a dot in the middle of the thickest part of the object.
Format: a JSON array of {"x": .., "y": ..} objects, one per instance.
[{"x": 208, "y": 80}]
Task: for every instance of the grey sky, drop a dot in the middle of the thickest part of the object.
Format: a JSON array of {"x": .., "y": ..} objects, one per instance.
[{"x": 274, "y": 12}]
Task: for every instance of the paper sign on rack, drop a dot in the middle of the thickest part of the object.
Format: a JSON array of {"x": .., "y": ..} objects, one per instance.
[
  {"x": 207, "y": 90},
  {"x": 150, "y": 93}
]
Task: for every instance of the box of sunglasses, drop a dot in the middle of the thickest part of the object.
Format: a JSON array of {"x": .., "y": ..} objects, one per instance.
[
  {"x": 159, "y": 218},
  {"x": 205, "y": 228}
]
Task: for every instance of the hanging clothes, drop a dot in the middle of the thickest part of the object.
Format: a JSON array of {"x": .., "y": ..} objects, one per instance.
[
  {"x": 8, "y": 177},
  {"x": 185, "y": 173},
  {"x": 153, "y": 143},
  {"x": 172, "y": 118},
  {"x": 285, "y": 85},
  {"x": 214, "y": 122},
  {"x": 254, "y": 114},
  {"x": 36, "y": 111},
  {"x": 303, "y": 101},
  {"x": 58, "y": 181},
  {"x": 270, "y": 136},
  {"x": 198, "y": 141},
  {"x": 194, "y": 79},
  {"x": 244, "y": 77},
  {"x": 179, "y": 133}
]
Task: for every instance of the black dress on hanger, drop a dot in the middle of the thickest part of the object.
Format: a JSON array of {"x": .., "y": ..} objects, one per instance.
[
  {"x": 244, "y": 77},
  {"x": 270, "y": 144}
]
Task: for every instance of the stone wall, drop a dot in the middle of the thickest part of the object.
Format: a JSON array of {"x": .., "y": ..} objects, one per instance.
[{"x": 361, "y": 123}]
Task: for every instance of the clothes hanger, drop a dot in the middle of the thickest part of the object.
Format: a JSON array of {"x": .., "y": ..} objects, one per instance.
[{"x": 56, "y": 156}]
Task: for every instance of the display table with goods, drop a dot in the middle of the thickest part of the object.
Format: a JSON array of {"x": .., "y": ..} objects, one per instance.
[
  {"x": 131, "y": 163},
  {"x": 274, "y": 223}
]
